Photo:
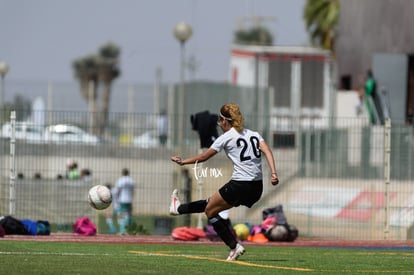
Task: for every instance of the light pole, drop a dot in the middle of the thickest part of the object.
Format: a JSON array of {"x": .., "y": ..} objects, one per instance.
[
  {"x": 4, "y": 69},
  {"x": 182, "y": 33}
]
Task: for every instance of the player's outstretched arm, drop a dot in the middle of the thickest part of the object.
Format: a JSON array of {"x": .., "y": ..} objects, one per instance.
[
  {"x": 270, "y": 161},
  {"x": 197, "y": 158}
]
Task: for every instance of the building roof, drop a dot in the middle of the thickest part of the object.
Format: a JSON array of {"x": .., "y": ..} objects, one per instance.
[{"x": 299, "y": 50}]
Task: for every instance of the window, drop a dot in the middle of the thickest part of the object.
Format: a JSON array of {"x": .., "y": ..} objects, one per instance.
[
  {"x": 312, "y": 84},
  {"x": 280, "y": 80}
]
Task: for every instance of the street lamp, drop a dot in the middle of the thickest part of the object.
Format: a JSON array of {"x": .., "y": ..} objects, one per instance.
[
  {"x": 182, "y": 33},
  {"x": 4, "y": 69}
]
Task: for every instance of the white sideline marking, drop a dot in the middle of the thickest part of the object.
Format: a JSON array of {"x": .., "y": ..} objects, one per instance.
[{"x": 52, "y": 253}]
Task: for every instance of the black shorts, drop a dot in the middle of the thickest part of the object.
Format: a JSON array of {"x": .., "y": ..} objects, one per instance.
[{"x": 242, "y": 192}]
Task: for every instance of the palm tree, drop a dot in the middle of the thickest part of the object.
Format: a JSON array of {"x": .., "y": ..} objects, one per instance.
[
  {"x": 254, "y": 36},
  {"x": 86, "y": 71},
  {"x": 108, "y": 70},
  {"x": 90, "y": 71},
  {"x": 321, "y": 17}
]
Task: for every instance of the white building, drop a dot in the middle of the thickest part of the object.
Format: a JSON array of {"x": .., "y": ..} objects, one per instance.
[{"x": 301, "y": 78}]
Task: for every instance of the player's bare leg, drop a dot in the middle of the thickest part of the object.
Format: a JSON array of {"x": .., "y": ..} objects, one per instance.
[{"x": 215, "y": 205}]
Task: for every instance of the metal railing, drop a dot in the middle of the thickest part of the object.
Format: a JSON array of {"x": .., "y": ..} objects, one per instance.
[{"x": 333, "y": 180}]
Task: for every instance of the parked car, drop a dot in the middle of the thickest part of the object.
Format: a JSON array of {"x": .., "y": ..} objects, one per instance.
[
  {"x": 64, "y": 133},
  {"x": 26, "y": 131},
  {"x": 148, "y": 139}
]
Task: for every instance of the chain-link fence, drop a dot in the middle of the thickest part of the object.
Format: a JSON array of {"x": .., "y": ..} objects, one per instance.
[{"x": 333, "y": 176}]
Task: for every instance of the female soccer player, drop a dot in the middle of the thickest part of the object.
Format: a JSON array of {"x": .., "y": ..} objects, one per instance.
[{"x": 244, "y": 148}]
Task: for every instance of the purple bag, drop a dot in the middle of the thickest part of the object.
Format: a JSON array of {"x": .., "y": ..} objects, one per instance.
[{"x": 256, "y": 229}]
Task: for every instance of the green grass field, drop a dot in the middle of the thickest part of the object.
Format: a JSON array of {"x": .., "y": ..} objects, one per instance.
[{"x": 23, "y": 257}]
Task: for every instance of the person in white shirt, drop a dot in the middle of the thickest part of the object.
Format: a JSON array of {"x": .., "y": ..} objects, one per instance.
[
  {"x": 124, "y": 194},
  {"x": 244, "y": 148},
  {"x": 112, "y": 213},
  {"x": 162, "y": 125}
]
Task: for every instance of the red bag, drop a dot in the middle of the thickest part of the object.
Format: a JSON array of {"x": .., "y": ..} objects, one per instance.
[
  {"x": 84, "y": 226},
  {"x": 187, "y": 233}
]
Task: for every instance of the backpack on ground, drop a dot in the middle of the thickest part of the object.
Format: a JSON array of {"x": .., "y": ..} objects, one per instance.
[
  {"x": 13, "y": 226},
  {"x": 37, "y": 227},
  {"x": 185, "y": 233},
  {"x": 279, "y": 230},
  {"x": 84, "y": 226}
]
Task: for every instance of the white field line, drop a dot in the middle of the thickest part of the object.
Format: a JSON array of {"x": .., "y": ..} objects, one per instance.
[{"x": 52, "y": 253}]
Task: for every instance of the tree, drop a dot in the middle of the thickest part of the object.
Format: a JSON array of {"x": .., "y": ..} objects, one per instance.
[
  {"x": 86, "y": 72},
  {"x": 321, "y": 18},
  {"x": 254, "y": 36},
  {"x": 92, "y": 70},
  {"x": 108, "y": 70}
]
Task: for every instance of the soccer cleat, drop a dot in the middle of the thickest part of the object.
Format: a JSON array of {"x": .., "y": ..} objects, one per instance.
[
  {"x": 175, "y": 203},
  {"x": 236, "y": 252}
]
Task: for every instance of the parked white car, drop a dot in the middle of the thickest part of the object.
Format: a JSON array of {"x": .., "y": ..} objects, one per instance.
[
  {"x": 64, "y": 133},
  {"x": 26, "y": 131},
  {"x": 148, "y": 139}
]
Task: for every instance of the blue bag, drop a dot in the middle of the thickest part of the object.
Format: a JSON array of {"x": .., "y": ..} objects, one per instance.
[{"x": 37, "y": 227}]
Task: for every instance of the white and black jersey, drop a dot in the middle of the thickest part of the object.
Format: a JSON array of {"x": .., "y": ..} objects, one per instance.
[{"x": 243, "y": 150}]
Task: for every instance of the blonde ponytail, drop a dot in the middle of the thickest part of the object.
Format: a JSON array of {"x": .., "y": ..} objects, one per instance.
[{"x": 232, "y": 113}]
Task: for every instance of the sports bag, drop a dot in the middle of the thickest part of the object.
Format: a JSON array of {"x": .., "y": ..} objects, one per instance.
[
  {"x": 13, "y": 226},
  {"x": 84, "y": 226},
  {"x": 278, "y": 230},
  {"x": 37, "y": 227},
  {"x": 187, "y": 233},
  {"x": 276, "y": 212}
]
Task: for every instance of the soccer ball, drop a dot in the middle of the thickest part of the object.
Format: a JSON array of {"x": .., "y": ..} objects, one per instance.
[
  {"x": 99, "y": 197},
  {"x": 278, "y": 233},
  {"x": 242, "y": 231}
]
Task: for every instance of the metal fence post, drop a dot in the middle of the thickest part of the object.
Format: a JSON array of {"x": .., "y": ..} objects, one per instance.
[
  {"x": 12, "y": 199},
  {"x": 387, "y": 153}
]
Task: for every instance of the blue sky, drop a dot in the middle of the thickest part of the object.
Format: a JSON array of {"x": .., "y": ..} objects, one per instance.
[{"x": 40, "y": 39}]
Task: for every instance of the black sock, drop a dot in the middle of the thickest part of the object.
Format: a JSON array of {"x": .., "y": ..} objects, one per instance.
[
  {"x": 223, "y": 230},
  {"x": 192, "y": 207}
]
